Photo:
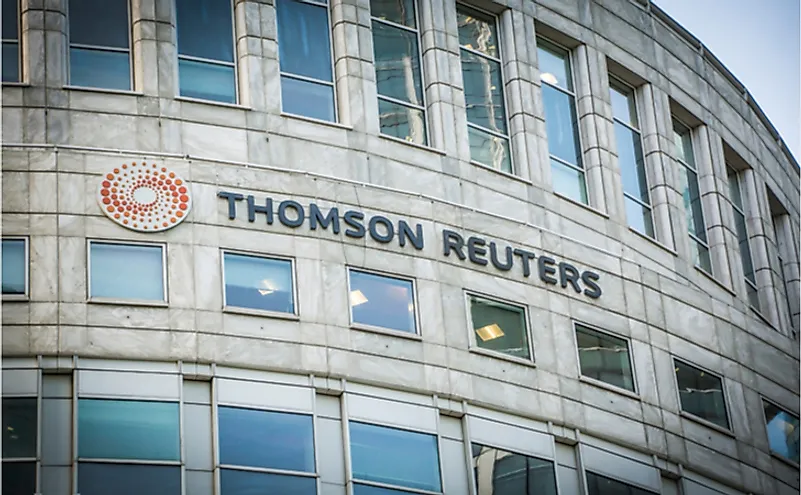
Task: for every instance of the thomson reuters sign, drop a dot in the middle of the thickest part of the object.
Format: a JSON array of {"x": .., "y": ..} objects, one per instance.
[{"x": 144, "y": 197}]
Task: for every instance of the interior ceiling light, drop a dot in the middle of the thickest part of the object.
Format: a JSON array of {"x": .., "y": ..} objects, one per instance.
[
  {"x": 357, "y": 297},
  {"x": 268, "y": 287},
  {"x": 489, "y": 332},
  {"x": 549, "y": 78}
]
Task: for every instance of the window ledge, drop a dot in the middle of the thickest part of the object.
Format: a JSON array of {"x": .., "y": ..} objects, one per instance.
[
  {"x": 607, "y": 386},
  {"x": 653, "y": 241},
  {"x": 386, "y": 331},
  {"x": 421, "y": 147},
  {"x": 508, "y": 175},
  {"x": 260, "y": 312},
  {"x": 312, "y": 120},
  {"x": 583, "y": 205},
  {"x": 505, "y": 357},
  {"x": 708, "y": 424},
  {"x": 16, "y": 298},
  {"x": 128, "y": 302},
  {"x": 105, "y": 460},
  {"x": 16, "y": 84},
  {"x": 126, "y": 92},
  {"x": 200, "y": 101},
  {"x": 785, "y": 460},
  {"x": 716, "y": 281}
]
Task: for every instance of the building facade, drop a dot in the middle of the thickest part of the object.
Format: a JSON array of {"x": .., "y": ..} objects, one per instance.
[{"x": 375, "y": 247}]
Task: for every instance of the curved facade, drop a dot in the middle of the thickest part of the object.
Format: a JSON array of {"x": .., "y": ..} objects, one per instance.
[{"x": 378, "y": 247}]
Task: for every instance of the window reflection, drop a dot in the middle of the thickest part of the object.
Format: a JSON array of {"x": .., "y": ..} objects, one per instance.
[
  {"x": 258, "y": 283},
  {"x": 10, "y": 35},
  {"x": 691, "y": 194},
  {"x": 499, "y": 327},
  {"x": 701, "y": 394},
  {"x": 604, "y": 357},
  {"x": 99, "y": 48},
  {"x": 783, "y": 432},
  {"x": 601, "y": 485},
  {"x": 14, "y": 267},
  {"x": 498, "y": 472},
  {"x": 743, "y": 239},
  {"x": 126, "y": 271},
  {"x": 382, "y": 301}
]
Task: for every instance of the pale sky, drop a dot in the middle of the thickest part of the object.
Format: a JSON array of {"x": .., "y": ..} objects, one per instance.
[{"x": 759, "y": 42}]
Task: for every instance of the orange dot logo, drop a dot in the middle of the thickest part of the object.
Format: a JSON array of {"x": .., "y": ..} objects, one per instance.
[{"x": 139, "y": 191}]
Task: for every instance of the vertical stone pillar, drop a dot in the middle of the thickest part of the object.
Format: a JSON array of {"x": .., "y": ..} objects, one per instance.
[
  {"x": 153, "y": 49},
  {"x": 756, "y": 213},
  {"x": 786, "y": 244},
  {"x": 354, "y": 73},
  {"x": 254, "y": 38}
]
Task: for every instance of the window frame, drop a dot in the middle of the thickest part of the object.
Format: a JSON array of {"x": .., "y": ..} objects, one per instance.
[
  {"x": 130, "y": 302},
  {"x": 473, "y": 344},
  {"x": 226, "y": 308},
  {"x": 18, "y": 42},
  {"x": 775, "y": 404},
  {"x": 26, "y": 249},
  {"x": 416, "y": 335},
  {"x": 470, "y": 442},
  {"x": 627, "y": 483},
  {"x": 37, "y": 460},
  {"x": 732, "y": 172},
  {"x": 634, "y": 394},
  {"x": 699, "y": 419}
]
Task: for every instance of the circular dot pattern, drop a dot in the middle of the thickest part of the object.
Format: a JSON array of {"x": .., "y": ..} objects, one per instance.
[{"x": 144, "y": 197}]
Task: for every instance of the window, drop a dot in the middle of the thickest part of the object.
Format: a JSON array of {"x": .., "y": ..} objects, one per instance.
[
  {"x": 258, "y": 283},
  {"x": 737, "y": 192},
  {"x": 783, "y": 433},
  {"x": 604, "y": 358},
  {"x": 499, "y": 327},
  {"x": 601, "y": 485},
  {"x": 15, "y": 268},
  {"x": 630, "y": 158},
  {"x": 388, "y": 456},
  {"x": 688, "y": 176},
  {"x": 126, "y": 271},
  {"x": 20, "y": 425},
  {"x": 396, "y": 41},
  {"x": 258, "y": 448},
  {"x": 382, "y": 301},
  {"x": 304, "y": 54},
  {"x": 785, "y": 250},
  {"x": 11, "y": 72},
  {"x": 128, "y": 447},
  {"x": 561, "y": 121},
  {"x": 701, "y": 394},
  {"x": 498, "y": 472},
  {"x": 99, "y": 44},
  {"x": 206, "y": 68},
  {"x": 483, "y": 89}
]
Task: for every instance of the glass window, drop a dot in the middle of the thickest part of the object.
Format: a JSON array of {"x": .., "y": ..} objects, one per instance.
[
  {"x": 10, "y": 37},
  {"x": 126, "y": 271},
  {"x": 382, "y": 301},
  {"x": 304, "y": 53},
  {"x": 99, "y": 44},
  {"x": 691, "y": 193},
  {"x": 783, "y": 433},
  {"x": 396, "y": 42},
  {"x": 394, "y": 457},
  {"x": 499, "y": 327},
  {"x": 736, "y": 192},
  {"x": 483, "y": 89},
  {"x": 15, "y": 267},
  {"x": 258, "y": 283},
  {"x": 701, "y": 394},
  {"x": 19, "y": 478},
  {"x": 604, "y": 357},
  {"x": 561, "y": 121},
  {"x": 206, "y": 68},
  {"x": 95, "y": 478},
  {"x": 498, "y": 472},
  {"x": 236, "y": 482},
  {"x": 601, "y": 485},
  {"x": 20, "y": 423}
]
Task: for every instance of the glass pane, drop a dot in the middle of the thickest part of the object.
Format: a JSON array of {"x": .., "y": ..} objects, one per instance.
[
  {"x": 554, "y": 65},
  {"x": 307, "y": 98},
  {"x": 684, "y": 144},
  {"x": 692, "y": 203},
  {"x": 632, "y": 166},
  {"x": 700, "y": 254},
  {"x": 207, "y": 81},
  {"x": 753, "y": 295},
  {"x": 395, "y": 457},
  {"x": 397, "y": 63},
  {"x": 19, "y": 427},
  {"x": 19, "y": 478},
  {"x": 397, "y": 11},
  {"x": 568, "y": 181},
  {"x": 13, "y": 266},
  {"x": 128, "y": 479},
  {"x": 375, "y": 490},
  {"x": 477, "y": 31},
  {"x": 382, "y": 301},
  {"x": 10, "y": 62},
  {"x": 498, "y": 472},
  {"x": 734, "y": 188},
  {"x": 489, "y": 150},
  {"x": 266, "y": 439},
  {"x": 233, "y": 482},
  {"x": 639, "y": 217},
  {"x": 304, "y": 46},
  {"x": 601, "y": 485},
  {"x": 701, "y": 394},
  {"x": 99, "y": 23},
  {"x": 499, "y": 327},
  {"x": 258, "y": 283},
  {"x": 121, "y": 271},
  {"x": 483, "y": 92},
  {"x": 623, "y": 106},
  {"x": 10, "y": 27},
  {"x": 561, "y": 125},
  {"x": 100, "y": 69},
  {"x": 604, "y": 357},
  {"x": 782, "y": 431},
  {"x": 402, "y": 122},
  {"x": 205, "y": 29},
  {"x": 745, "y": 246},
  {"x": 125, "y": 429}
]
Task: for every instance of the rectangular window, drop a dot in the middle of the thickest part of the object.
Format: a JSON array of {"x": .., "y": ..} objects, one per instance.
[
  {"x": 304, "y": 55},
  {"x": 126, "y": 272},
  {"x": 10, "y": 35},
  {"x": 396, "y": 42},
  {"x": 561, "y": 121},
  {"x": 737, "y": 193},
  {"x": 15, "y": 268},
  {"x": 20, "y": 426},
  {"x": 487, "y": 128},
  {"x": 253, "y": 282},
  {"x": 284, "y": 443},
  {"x": 382, "y": 301},
  {"x": 499, "y": 327},
  {"x": 604, "y": 358},
  {"x": 145, "y": 434},
  {"x": 691, "y": 192},
  {"x": 785, "y": 250},
  {"x": 701, "y": 394},
  {"x": 206, "y": 65},
  {"x": 601, "y": 485},
  {"x": 398, "y": 458},
  {"x": 630, "y": 158},
  {"x": 783, "y": 432},
  {"x": 498, "y": 472},
  {"x": 99, "y": 44}
]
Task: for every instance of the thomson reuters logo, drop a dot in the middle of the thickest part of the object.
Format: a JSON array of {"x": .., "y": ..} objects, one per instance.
[{"x": 144, "y": 197}]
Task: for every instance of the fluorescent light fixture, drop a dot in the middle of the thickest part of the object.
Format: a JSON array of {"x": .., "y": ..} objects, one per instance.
[
  {"x": 549, "y": 78},
  {"x": 357, "y": 297},
  {"x": 269, "y": 288},
  {"x": 489, "y": 332}
]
